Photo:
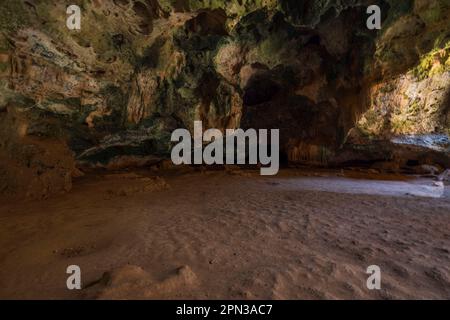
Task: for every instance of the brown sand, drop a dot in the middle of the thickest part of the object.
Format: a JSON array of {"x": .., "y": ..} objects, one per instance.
[{"x": 230, "y": 235}]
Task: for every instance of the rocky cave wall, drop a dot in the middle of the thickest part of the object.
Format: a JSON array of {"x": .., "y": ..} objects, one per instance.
[{"x": 110, "y": 94}]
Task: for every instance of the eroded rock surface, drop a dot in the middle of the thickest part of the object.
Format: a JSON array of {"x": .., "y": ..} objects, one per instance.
[{"x": 110, "y": 94}]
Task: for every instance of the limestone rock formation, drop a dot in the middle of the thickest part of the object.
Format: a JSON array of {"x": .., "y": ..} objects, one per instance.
[{"x": 113, "y": 91}]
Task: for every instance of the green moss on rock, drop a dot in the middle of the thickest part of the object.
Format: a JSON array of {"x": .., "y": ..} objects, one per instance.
[
  {"x": 14, "y": 16},
  {"x": 435, "y": 62}
]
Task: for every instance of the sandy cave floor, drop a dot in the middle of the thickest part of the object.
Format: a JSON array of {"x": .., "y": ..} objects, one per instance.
[{"x": 230, "y": 235}]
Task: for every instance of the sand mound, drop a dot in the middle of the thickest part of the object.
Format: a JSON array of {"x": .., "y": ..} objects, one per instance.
[{"x": 132, "y": 282}]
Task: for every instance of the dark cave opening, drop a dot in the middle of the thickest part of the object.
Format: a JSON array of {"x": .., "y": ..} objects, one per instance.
[{"x": 260, "y": 90}]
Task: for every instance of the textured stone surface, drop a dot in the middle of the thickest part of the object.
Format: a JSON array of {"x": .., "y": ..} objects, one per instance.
[{"x": 112, "y": 92}]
